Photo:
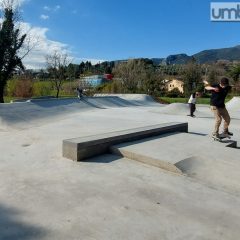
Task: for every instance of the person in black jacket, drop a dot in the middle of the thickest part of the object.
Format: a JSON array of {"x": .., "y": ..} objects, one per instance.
[
  {"x": 217, "y": 102},
  {"x": 79, "y": 92}
]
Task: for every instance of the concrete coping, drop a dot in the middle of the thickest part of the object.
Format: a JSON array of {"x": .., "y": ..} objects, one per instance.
[{"x": 82, "y": 148}]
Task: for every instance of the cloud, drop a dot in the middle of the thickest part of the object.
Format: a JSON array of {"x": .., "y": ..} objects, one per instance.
[
  {"x": 44, "y": 17},
  {"x": 56, "y": 8},
  {"x": 47, "y": 8},
  {"x": 14, "y": 3},
  {"x": 41, "y": 46},
  {"x": 52, "y": 9}
]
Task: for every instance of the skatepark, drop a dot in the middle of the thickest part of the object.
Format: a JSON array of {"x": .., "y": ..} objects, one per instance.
[{"x": 174, "y": 184}]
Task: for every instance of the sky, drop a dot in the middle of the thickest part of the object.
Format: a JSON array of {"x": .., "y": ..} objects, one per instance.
[{"x": 99, "y": 30}]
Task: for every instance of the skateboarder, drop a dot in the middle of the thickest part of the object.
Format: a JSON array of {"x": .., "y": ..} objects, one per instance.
[
  {"x": 80, "y": 92},
  {"x": 192, "y": 104},
  {"x": 219, "y": 93}
]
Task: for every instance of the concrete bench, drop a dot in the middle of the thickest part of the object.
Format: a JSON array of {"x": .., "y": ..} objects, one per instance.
[{"x": 82, "y": 148}]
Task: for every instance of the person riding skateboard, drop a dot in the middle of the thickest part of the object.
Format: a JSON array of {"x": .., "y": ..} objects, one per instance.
[
  {"x": 219, "y": 92},
  {"x": 192, "y": 103},
  {"x": 79, "y": 92}
]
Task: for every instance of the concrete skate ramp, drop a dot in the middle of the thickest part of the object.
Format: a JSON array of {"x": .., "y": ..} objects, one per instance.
[
  {"x": 176, "y": 108},
  {"x": 138, "y": 99},
  {"x": 183, "y": 109},
  {"x": 22, "y": 115},
  {"x": 219, "y": 172},
  {"x": 234, "y": 104}
]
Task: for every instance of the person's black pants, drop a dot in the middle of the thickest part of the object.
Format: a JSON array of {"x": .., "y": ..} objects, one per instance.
[{"x": 192, "y": 107}]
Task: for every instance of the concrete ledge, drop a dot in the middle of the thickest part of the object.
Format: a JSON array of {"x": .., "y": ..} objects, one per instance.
[
  {"x": 157, "y": 162},
  {"x": 82, "y": 148}
]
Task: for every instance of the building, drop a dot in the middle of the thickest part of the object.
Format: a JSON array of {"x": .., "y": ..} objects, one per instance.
[
  {"x": 95, "y": 80},
  {"x": 174, "y": 83}
]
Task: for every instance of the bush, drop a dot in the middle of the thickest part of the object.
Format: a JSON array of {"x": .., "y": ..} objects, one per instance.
[
  {"x": 11, "y": 88},
  {"x": 42, "y": 88},
  {"x": 68, "y": 88},
  {"x": 24, "y": 87},
  {"x": 174, "y": 93},
  {"x": 111, "y": 87}
]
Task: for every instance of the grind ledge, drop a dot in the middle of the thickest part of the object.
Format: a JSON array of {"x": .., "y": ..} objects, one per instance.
[{"x": 81, "y": 148}]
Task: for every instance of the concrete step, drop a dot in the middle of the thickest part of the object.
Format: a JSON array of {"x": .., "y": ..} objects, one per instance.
[
  {"x": 168, "y": 149},
  {"x": 199, "y": 157}
]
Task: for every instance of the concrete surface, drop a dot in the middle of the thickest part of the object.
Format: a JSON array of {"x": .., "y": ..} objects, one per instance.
[
  {"x": 43, "y": 196},
  {"x": 167, "y": 150},
  {"x": 199, "y": 158},
  {"x": 81, "y": 148}
]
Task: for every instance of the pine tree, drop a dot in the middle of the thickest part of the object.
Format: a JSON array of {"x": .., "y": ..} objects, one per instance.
[{"x": 10, "y": 43}]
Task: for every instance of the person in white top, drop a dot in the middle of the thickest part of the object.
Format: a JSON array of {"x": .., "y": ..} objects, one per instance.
[{"x": 192, "y": 104}]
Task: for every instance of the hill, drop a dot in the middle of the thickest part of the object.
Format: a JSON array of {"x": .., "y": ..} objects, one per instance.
[
  {"x": 231, "y": 54},
  {"x": 206, "y": 56}
]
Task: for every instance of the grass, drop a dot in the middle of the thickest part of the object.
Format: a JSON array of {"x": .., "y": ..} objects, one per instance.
[{"x": 8, "y": 99}]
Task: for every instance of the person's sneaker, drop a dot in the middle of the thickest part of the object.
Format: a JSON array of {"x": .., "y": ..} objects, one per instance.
[
  {"x": 224, "y": 135},
  {"x": 227, "y": 133}
]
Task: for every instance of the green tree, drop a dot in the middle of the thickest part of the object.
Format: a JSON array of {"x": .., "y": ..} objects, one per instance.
[
  {"x": 235, "y": 72},
  {"x": 153, "y": 83},
  {"x": 88, "y": 67},
  {"x": 73, "y": 71},
  {"x": 11, "y": 41},
  {"x": 81, "y": 67},
  {"x": 192, "y": 77},
  {"x": 131, "y": 74}
]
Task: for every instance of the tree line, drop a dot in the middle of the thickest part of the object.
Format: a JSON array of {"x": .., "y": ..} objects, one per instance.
[{"x": 130, "y": 76}]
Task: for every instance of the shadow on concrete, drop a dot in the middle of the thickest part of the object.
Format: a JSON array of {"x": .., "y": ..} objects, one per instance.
[
  {"x": 55, "y": 102},
  {"x": 199, "y": 134},
  {"x": 121, "y": 102},
  {"x": 226, "y": 141},
  {"x": 96, "y": 102},
  {"x": 85, "y": 100},
  {"x": 232, "y": 118},
  {"x": 115, "y": 101},
  {"x": 105, "y": 158},
  {"x": 11, "y": 227}
]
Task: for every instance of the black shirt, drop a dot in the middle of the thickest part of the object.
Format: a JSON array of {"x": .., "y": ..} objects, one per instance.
[{"x": 218, "y": 98}]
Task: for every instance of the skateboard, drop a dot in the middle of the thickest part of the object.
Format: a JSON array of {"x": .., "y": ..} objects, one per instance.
[{"x": 220, "y": 138}]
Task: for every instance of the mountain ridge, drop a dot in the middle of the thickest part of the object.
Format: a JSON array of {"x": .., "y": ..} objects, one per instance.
[{"x": 205, "y": 56}]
